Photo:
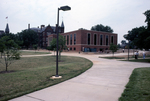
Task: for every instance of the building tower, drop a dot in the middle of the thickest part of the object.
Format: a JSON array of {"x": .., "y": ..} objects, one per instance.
[
  {"x": 62, "y": 27},
  {"x": 7, "y": 29}
]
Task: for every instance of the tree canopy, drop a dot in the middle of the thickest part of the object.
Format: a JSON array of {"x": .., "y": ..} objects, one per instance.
[
  {"x": 62, "y": 43},
  {"x": 101, "y": 27},
  {"x": 28, "y": 37},
  {"x": 140, "y": 37},
  {"x": 147, "y": 20},
  {"x": 113, "y": 48},
  {"x": 10, "y": 51}
]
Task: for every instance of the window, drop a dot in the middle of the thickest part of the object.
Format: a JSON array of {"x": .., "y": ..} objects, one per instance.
[
  {"x": 70, "y": 48},
  {"x": 107, "y": 40},
  {"x": 74, "y": 48},
  {"x": 89, "y": 38},
  {"x": 74, "y": 39},
  {"x": 48, "y": 33},
  {"x": 95, "y": 37},
  {"x": 71, "y": 39},
  {"x": 112, "y": 39},
  {"x": 67, "y": 39},
  {"x": 101, "y": 39}
]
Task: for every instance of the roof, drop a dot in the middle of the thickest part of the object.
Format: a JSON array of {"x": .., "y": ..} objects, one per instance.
[
  {"x": 1, "y": 32},
  {"x": 43, "y": 28},
  {"x": 89, "y": 31},
  {"x": 38, "y": 29}
]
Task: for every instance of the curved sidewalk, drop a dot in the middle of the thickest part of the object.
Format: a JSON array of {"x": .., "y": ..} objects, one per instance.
[{"x": 105, "y": 81}]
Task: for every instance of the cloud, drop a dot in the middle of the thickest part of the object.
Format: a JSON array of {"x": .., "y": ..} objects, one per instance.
[{"x": 120, "y": 15}]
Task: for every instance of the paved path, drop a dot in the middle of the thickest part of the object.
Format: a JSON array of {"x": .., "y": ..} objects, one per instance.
[{"x": 105, "y": 81}]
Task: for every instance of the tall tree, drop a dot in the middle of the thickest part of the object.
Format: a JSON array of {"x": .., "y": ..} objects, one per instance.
[
  {"x": 10, "y": 51},
  {"x": 14, "y": 37},
  {"x": 140, "y": 37},
  {"x": 101, "y": 27},
  {"x": 147, "y": 14},
  {"x": 35, "y": 47},
  {"x": 2, "y": 46},
  {"x": 113, "y": 48},
  {"x": 132, "y": 34},
  {"x": 28, "y": 37},
  {"x": 62, "y": 44}
]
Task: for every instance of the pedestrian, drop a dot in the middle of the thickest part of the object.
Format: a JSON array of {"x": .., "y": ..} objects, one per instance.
[
  {"x": 143, "y": 55},
  {"x": 123, "y": 50},
  {"x": 135, "y": 53}
]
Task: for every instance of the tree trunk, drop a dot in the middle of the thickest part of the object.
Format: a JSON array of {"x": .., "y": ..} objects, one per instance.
[
  {"x": 6, "y": 66},
  {"x": 59, "y": 56}
]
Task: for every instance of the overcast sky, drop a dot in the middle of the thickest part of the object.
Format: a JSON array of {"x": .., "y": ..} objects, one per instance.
[{"x": 120, "y": 15}]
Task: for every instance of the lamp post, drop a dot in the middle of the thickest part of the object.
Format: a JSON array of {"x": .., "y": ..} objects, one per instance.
[{"x": 64, "y": 8}]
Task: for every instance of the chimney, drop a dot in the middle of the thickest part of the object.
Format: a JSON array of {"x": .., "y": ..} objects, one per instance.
[
  {"x": 28, "y": 26},
  {"x": 42, "y": 26}
]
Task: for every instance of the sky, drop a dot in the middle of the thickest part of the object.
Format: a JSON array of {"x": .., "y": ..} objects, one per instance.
[{"x": 120, "y": 15}]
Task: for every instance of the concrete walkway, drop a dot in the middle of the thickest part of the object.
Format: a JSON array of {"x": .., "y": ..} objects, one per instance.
[{"x": 105, "y": 81}]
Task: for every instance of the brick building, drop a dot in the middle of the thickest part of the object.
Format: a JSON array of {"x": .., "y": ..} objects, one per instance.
[
  {"x": 44, "y": 31},
  {"x": 87, "y": 40}
]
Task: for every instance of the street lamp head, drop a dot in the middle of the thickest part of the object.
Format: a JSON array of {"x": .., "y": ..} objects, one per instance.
[{"x": 65, "y": 8}]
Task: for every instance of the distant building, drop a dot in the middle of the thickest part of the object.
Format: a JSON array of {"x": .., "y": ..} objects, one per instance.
[
  {"x": 44, "y": 31},
  {"x": 6, "y": 30},
  {"x": 87, "y": 40},
  {"x": 1, "y": 32}
]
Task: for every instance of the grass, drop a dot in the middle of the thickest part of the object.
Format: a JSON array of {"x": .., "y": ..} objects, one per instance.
[
  {"x": 33, "y": 52},
  {"x": 31, "y": 74},
  {"x": 139, "y": 60},
  {"x": 113, "y": 57},
  {"x": 138, "y": 87}
]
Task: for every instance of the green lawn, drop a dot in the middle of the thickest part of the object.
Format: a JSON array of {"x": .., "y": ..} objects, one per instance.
[
  {"x": 113, "y": 57},
  {"x": 138, "y": 87},
  {"x": 31, "y": 74},
  {"x": 33, "y": 52},
  {"x": 139, "y": 60}
]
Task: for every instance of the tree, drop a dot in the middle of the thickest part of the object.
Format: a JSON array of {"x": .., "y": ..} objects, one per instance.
[
  {"x": 140, "y": 37},
  {"x": 28, "y": 37},
  {"x": 14, "y": 37},
  {"x": 143, "y": 40},
  {"x": 102, "y": 28},
  {"x": 113, "y": 48},
  {"x": 147, "y": 14},
  {"x": 134, "y": 33},
  {"x": 2, "y": 46},
  {"x": 48, "y": 48},
  {"x": 62, "y": 44},
  {"x": 10, "y": 51},
  {"x": 35, "y": 47}
]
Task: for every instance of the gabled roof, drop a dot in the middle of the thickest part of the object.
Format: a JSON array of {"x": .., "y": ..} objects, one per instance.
[
  {"x": 36, "y": 29},
  {"x": 40, "y": 30}
]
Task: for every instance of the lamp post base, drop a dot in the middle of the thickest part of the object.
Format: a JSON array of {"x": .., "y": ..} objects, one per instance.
[{"x": 56, "y": 77}]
